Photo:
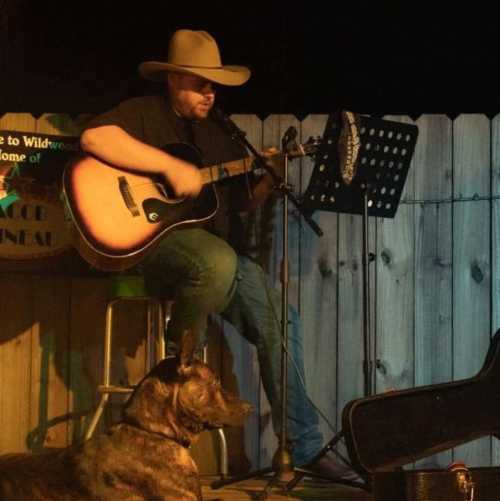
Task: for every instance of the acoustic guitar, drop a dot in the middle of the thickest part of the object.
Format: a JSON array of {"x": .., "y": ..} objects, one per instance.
[{"x": 120, "y": 215}]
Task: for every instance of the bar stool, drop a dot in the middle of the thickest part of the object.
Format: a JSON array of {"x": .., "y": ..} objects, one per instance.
[{"x": 132, "y": 288}]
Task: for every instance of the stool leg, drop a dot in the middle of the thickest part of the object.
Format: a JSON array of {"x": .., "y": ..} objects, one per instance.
[
  {"x": 223, "y": 453},
  {"x": 97, "y": 415},
  {"x": 155, "y": 344},
  {"x": 106, "y": 369},
  {"x": 223, "y": 458},
  {"x": 150, "y": 338},
  {"x": 163, "y": 317}
]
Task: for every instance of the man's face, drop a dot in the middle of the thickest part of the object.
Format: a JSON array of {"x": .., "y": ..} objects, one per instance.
[{"x": 191, "y": 96}]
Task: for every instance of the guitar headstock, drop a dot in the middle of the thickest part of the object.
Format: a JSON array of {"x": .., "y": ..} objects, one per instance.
[{"x": 306, "y": 149}]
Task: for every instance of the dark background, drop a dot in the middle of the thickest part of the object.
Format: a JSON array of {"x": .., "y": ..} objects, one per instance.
[{"x": 373, "y": 57}]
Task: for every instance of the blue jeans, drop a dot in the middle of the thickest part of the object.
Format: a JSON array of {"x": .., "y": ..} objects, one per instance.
[{"x": 206, "y": 276}]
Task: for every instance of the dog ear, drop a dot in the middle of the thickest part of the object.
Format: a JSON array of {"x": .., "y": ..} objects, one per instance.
[{"x": 188, "y": 346}]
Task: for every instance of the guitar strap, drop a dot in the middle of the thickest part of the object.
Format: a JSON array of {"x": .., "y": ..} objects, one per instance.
[
  {"x": 182, "y": 128},
  {"x": 189, "y": 133}
]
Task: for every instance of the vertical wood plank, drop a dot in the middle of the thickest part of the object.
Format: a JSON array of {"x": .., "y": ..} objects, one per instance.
[
  {"x": 15, "y": 366},
  {"x": 50, "y": 393},
  {"x": 241, "y": 376},
  {"x": 318, "y": 297},
  {"x": 15, "y": 347},
  {"x": 495, "y": 245},
  {"x": 49, "y": 362},
  {"x": 433, "y": 259},
  {"x": 60, "y": 124},
  {"x": 471, "y": 260},
  {"x": 86, "y": 321},
  {"x": 18, "y": 121},
  {"x": 244, "y": 364},
  {"x": 351, "y": 355},
  {"x": 129, "y": 348},
  {"x": 395, "y": 293}
]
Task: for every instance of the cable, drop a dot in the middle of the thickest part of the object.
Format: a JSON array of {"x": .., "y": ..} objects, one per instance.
[
  {"x": 295, "y": 365},
  {"x": 289, "y": 355}
]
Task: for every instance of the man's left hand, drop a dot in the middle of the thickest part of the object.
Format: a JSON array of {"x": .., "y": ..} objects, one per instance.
[{"x": 275, "y": 161}]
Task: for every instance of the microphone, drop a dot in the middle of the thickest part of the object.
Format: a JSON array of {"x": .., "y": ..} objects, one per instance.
[
  {"x": 289, "y": 139},
  {"x": 226, "y": 123},
  {"x": 218, "y": 114}
]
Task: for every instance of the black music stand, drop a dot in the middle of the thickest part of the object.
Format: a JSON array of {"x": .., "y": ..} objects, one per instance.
[{"x": 360, "y": 168}]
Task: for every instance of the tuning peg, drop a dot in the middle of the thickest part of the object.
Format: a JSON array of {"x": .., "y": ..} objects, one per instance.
[{"x": 314, "y": 140}]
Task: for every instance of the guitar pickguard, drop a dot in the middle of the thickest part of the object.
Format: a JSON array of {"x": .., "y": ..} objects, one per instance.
[{"x": 155, "y": 210}]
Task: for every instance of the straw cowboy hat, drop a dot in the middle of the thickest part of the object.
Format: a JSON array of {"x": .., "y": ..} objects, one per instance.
[{"x": 195, "y": 53}]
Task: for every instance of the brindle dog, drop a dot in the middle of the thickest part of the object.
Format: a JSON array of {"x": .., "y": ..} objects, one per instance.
[{"x": 145, "y": 456}]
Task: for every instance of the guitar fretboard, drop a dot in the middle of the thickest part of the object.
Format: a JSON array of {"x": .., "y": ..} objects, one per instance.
[{"x": 215, "y": 173}]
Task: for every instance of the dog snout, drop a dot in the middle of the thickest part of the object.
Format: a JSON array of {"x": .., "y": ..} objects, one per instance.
[{"x": 234, "y": 411}]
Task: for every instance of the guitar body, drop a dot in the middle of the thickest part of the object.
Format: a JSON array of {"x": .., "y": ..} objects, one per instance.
[{"x": 120, "y": 216}]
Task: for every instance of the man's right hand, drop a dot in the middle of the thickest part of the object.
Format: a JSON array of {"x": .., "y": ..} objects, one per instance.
[
  {"x": 184, "y": 179},
  {"x": 113, "y": 145}
]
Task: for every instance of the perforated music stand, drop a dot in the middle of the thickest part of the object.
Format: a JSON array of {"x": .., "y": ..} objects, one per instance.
[
  {"x": 385, "y": 149},
  {"x": 361, "y": 168}
]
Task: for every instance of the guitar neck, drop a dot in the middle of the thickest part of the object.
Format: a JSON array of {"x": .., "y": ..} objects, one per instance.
[
  {"x": 226, "y": 170},
  {"x": 237, "y": 167}
]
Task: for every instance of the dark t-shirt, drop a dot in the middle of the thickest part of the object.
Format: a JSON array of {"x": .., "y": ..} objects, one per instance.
[{"x": 151, "y": 120}]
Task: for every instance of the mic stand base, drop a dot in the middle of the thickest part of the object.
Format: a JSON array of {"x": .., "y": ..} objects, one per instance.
[
  {"x": 286, "y": 476},
  {"x": 300, "y": 473},
  {"x": 283, "y": 470}
]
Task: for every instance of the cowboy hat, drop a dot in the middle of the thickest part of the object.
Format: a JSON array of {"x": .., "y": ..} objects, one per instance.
[{"x": 195, "y": 53}]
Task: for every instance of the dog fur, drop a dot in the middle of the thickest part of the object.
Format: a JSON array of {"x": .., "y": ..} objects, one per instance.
[{"x": 145, "y": 456}]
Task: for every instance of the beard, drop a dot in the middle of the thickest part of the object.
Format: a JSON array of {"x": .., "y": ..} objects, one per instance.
[{"x": 201, "y": 110}]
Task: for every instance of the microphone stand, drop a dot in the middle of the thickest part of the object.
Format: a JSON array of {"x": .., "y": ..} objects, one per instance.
[
  {"x": 239, "y": 135},
  {"x": 282, "y": 462}
]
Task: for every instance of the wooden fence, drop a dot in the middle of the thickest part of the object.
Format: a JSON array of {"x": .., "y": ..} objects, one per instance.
[{"x": 435, "y": 280}]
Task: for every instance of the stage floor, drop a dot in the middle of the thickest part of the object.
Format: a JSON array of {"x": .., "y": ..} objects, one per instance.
[{"x": 307, "y": 490}]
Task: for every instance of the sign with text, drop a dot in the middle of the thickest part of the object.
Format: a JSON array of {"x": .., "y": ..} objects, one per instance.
[{"x": 32, "y": 219}]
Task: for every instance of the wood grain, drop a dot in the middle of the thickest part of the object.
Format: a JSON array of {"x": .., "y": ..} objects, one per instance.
[
  {"x": 395, "y": 300},
  {"x": 471, "y": 260},
  {"x": 433, "y": 258}
]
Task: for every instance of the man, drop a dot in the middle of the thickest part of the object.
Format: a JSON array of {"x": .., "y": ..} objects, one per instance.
[{"x": 203, "y": 270}]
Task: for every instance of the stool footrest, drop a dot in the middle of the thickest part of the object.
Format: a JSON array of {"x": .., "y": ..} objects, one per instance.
[{"x": 115, "y": 389}]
